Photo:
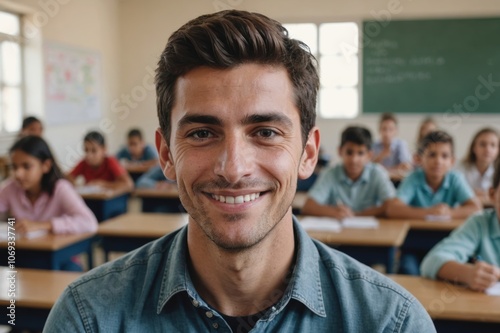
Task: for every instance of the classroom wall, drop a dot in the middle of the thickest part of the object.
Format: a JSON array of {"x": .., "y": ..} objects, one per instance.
[
  {"x": 130, "y": 35},
  {"x": 146, "y": 25},
  {"x": 86, "y": 24}
]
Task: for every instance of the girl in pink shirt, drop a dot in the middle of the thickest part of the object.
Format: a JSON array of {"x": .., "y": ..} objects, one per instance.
[{"x": 38, "y": 196}]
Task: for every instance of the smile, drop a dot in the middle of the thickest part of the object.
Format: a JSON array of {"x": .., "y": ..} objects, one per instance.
[{"x": 236, "y": 200}]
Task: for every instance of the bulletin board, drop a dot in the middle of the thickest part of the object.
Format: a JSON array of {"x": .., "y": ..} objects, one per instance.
[{"x": 72, "y": 84}]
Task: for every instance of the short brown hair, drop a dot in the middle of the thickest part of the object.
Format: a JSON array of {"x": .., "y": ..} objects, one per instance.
[
  {"x": 230, "y": 38},
  {"x": 435, "y": 137}
]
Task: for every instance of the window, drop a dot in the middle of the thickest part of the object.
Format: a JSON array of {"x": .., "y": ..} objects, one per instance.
[
  {"x": 335, "y": 45},
  {"x": 11, "y": 78}
]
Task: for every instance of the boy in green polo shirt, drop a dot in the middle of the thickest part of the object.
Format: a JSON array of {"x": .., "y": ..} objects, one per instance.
[
  {"x": 434, "y": 190},
  {"x": 354, "y": 187}
]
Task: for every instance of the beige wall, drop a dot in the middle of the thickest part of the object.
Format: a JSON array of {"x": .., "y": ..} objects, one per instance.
[{"x": 130, "y": 35}]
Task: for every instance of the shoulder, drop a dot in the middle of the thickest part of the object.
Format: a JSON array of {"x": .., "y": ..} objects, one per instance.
[
  {"x": 415, "y": 176},
  {"x": 119, "y": 278},
  {"x": 63, "y": 186},
  {"x": 456, "y": 177},
  {"x": 358, "y": 281},
  {"x": 482, "y": 219},
  {"x": 9, "y": 186},
  {"x": 376, "y": 169}
]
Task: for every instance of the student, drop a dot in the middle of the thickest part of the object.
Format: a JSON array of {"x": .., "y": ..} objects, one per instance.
[
  {"x": 153, "y": 178},
  {"x": 426, "y": 126},
  {"x": 99, "y": 169},
  {"x": 477, "y": 239},
  {"x": 391, "y": 152},
  {"x": 434, "y": 189},
  {"x": 477, "y": 166},
  {"x": 354, "y": 187},
  {"x": 31, "y": 126},
  {"x": 137, "y": 152},
  {"x": 236, "y": 103},
  {"x": 39, "y": 197}
]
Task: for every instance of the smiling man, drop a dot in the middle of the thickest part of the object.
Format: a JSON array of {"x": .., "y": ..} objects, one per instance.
[{"x": 236, "y": 103}]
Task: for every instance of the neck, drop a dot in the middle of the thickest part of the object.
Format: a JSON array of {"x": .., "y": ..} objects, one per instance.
[
  {"x": 434, "y": 182},
  {"x": 34, "y": 193},
  {"x": 482, "y": 166},
  {"x": 246, "y": 282}
]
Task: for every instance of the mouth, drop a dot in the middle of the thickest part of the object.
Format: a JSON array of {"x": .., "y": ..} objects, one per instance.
[{"x": 235, "y": 199}]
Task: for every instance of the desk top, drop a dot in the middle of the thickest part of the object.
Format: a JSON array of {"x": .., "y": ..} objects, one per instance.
[
  {"x": 166, "y": 192},
  {"x": 431, "y": 225},
  {"x": 388, "y": 233},
  {"x": 35, "y": 288},
  {"x": 154, "y": 225},
  {"x": 446, "y": 301},
  {"x": 88, "y": 193},
  {"x": 49, "y": 242}
]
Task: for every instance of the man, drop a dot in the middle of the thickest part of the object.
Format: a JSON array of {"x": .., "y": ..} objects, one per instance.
[{"x": 236, "y": 102}]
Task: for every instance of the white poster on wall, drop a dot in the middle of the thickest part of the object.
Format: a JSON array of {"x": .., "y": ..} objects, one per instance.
[{"x": 72, "y": 84}]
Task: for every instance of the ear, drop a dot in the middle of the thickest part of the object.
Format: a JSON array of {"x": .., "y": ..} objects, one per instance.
[
  {"x": 310, "y": 154},
  {"x": 164, "y": 156},
  {"x": 46, "y": 166}
]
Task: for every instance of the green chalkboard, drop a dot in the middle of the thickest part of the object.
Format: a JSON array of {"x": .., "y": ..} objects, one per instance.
[{"x": 431, "y": 66}]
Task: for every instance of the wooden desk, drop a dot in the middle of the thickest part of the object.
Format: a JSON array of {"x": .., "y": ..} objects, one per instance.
[
  {"x": 370, "y": 246},
  {"x": 424, "y": 235},
  {"x": 36, "y": 292},
  {"x": 454, "y": 308},
  {"x": 49, "y": 251},
  {"x": 160, "y": 200},
  {"x": 130, "y": 231},
  {"x": 106, "y": 204}
]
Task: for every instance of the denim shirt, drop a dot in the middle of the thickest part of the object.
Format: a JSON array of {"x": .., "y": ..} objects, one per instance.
[{"x": 150, "y": 290}]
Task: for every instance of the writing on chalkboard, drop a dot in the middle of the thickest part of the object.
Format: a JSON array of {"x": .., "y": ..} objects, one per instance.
[{"x": 427, "y": 66}]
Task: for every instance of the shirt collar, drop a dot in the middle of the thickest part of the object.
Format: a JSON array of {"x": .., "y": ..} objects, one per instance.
[
  {"x": 304, "y": 285},
  {"x": 365, "y": 175},
  {"x": 423, "y": 181}
]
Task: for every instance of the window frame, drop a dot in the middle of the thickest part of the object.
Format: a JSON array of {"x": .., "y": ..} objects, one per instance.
[
  {"x": 318, "y": 56},
  {"x": 4, "y": 134}
]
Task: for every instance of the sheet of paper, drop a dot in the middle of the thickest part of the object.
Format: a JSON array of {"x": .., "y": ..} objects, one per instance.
[
  {"x": 89, "y": 189},
  {"x": 4, "y": 233},
  {"x": 360, "y": 222},
  {"x": 494, "y": 290},
  {"x": 313, "y": 223},
  {"x": 438, "y": 218}
]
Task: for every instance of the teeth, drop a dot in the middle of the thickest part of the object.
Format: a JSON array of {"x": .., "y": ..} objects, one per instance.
[{"x": 236, "y": 200}]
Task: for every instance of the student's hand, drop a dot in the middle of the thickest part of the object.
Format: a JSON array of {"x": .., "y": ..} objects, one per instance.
[
  {"x": 481, "y": 276},
  {"x": 24, "y": 226},
  {"x": 343, "y": 211},
  {"x": 439, "y": 209}
]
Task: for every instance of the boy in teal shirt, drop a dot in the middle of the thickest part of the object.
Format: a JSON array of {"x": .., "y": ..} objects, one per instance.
[
  {"x": 478, "y": 238},
  {"x": 434, "y": 189},
  {"x": 354, "y": 187}
]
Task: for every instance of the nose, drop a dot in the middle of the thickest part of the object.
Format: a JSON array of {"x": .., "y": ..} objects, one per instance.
[{"x": 235, "y": 159}]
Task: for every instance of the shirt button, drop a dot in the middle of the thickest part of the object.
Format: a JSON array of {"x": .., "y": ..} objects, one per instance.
[
  {"x": 195, "y": 303},
  {"x": 215, "y": 325},
  {"x": 209, "y": 314}
]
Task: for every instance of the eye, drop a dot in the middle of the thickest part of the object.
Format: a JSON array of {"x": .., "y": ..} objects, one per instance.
[
  {"x": 201, "y": 134},
  {"x": 266, "y": 133}
]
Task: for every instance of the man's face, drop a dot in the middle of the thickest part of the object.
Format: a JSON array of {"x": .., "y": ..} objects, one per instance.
[
  {"x": 354, "y": 158},
  {"x": 437, "y": 159},
  {"x": 236, "y": 151}
]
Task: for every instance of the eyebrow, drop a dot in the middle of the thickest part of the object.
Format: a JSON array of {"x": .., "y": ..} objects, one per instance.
[
  {"x": 251, "y": 119},
  {"x": 268, "y": 118},
  {"x": 199, "y": 119}
]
